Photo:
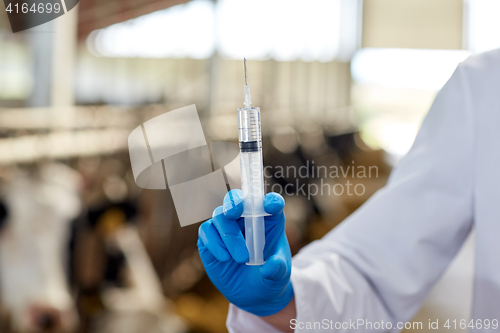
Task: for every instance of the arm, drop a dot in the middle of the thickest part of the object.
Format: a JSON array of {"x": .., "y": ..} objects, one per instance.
[
  {"x": 282, "y": 319},
  {"x": 382, "y": 261}
]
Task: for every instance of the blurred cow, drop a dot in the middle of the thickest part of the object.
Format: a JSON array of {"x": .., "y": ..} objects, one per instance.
[
  {"x": 119, "y": 288},
  {"x": 34, "y": 246}
]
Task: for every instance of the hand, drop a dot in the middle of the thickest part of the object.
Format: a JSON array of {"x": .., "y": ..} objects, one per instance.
[{"x": 261, "y": 290}]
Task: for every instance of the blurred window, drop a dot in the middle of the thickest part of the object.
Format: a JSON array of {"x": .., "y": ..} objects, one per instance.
[
  {"x": 281, "y": 29},
  {"x": 483, "y": 25},
  {"x": 406, "y": 68},
  {"x": 394, "y": 87},
  {"x": 15, "y": 69},
  {"x": 182, "y": 31},
  {"x": 285, "y": 30}
]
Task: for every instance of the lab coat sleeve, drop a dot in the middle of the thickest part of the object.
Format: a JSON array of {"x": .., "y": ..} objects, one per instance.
[{"x": 381, "y": 262}]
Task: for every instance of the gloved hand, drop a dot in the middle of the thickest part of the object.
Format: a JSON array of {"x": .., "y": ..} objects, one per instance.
[{"x": 262, "y": 290}]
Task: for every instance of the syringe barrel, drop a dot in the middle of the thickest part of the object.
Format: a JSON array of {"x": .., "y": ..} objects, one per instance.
[
  {"x": 249, "y": 127},
  {"x": 252, "y": 182},
  {"x": 252, "y": 175}
]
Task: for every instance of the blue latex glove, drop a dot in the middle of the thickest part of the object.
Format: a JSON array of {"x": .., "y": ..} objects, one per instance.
[{"x": 261, "y": 290}]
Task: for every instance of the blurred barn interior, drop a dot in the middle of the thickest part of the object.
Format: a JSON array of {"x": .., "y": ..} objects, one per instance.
[{"x": 341, "y": 83}]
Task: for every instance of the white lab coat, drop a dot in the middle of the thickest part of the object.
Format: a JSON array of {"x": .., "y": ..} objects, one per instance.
[{"x": 382, "y": 261}]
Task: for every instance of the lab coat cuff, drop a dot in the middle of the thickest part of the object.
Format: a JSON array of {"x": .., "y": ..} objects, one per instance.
[
  {"x": 240, "y": 321},
  {"x": 303, "y": 298}
]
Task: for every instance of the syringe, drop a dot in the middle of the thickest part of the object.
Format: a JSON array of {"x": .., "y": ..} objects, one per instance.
[{"x": 252, "y": 180}]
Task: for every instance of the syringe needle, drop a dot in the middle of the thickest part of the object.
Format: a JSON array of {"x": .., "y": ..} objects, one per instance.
[
  {"x": 245, "y": 64},
  {"x": 248, "y": 100}
]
